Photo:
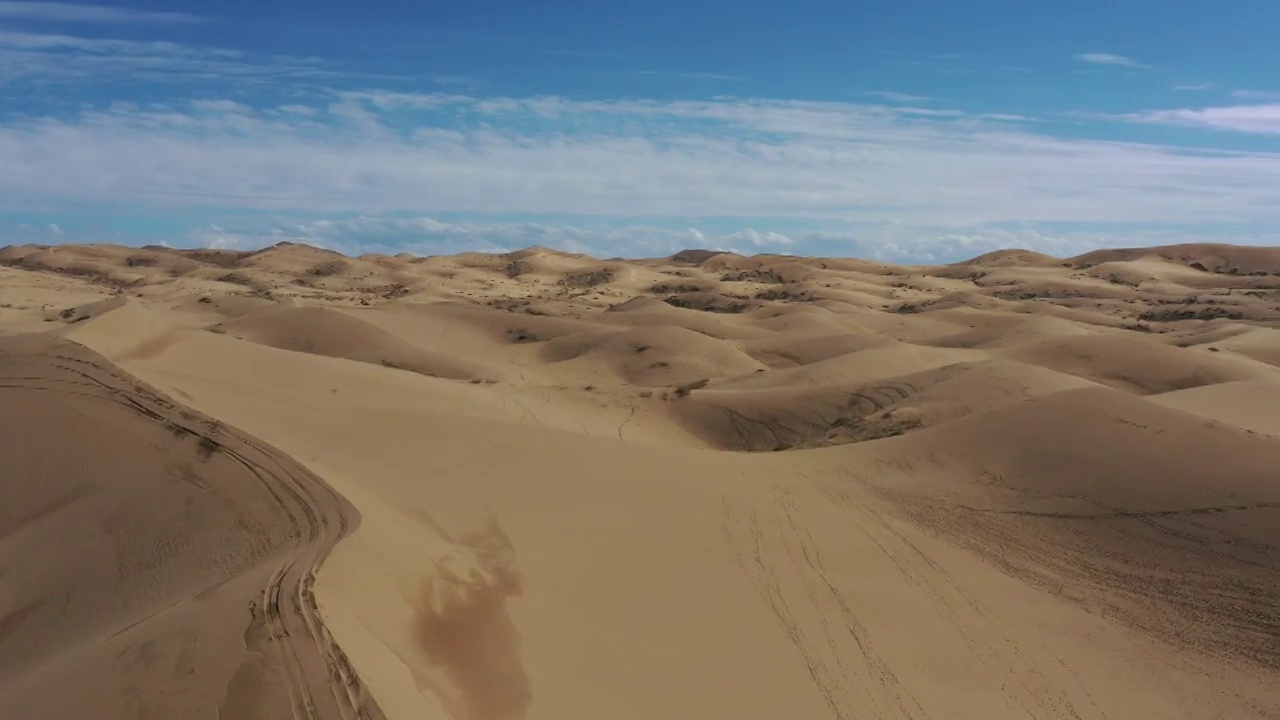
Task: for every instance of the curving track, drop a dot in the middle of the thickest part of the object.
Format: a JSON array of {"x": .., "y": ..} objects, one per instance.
[{"x": 289, "y": 664}]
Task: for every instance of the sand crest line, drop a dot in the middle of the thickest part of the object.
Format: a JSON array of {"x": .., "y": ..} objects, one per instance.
[{"x": 322, "y": 685}]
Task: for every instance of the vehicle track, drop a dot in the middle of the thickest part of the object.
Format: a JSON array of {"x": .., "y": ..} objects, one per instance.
[
  {"x": 285, "y": 624},
  {"x": 818, "y": 609}
]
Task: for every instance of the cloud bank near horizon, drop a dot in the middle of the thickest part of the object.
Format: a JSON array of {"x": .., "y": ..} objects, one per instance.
[
  {"x": 423, "y": 236},
  {"x": 776, "y": 166}
]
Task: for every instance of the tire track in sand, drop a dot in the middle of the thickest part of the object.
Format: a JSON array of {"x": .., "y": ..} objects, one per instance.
[
  {"x": 816, "y": 606},
  {"x": 285, "y": 625}
]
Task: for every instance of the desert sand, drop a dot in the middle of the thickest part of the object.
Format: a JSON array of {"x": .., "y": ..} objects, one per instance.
[{"x": 543, "y": 486}]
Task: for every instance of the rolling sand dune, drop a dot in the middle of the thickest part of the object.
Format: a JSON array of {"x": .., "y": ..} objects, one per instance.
[
  {"x": 652, "y": 356},
  {"x": 1246, "y": 404},
  {"x": 1137, "y": 366},
  {"x": 325, "y": 331},
  {"x": 539, "y": 485},
  {"x": 1206, "y": 257},
  {"x": 158, "y": 559}
]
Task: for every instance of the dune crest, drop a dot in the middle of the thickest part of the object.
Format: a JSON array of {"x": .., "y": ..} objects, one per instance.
[{"x": 185, "y": 554}]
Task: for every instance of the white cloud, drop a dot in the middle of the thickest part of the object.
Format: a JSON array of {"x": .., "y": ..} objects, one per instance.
[
  {"x": 586, "y": 54},
  {"x": 54, "y": 229},
  {"x": 1005, "y": 117},
  {"x": 770, "y": 164},
  {"x": 66, "y": 58},
  {"x": 1256, "y": 94},
  {"x": 695, "y": 75},
  {"x": 1195, "y": 86},
  {"x": 1109, "y": 59},
  {"x": 43, "y": 41},
  {"x": 221, "y": 106},
  {"x": 1258, "y": 119},
  {"x": 896, "y": 97},
  {"x": 458, "y": 81},
  {"x": 299, "y": 110},
  {"x": 218, "y": 239},
  {"x": 67, "y": 12}
]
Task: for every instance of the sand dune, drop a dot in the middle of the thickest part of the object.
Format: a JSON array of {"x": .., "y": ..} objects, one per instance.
[
  {"x": 650, "y": 356},
  {"x": 326, "y": 331},
  {"x": 804, "y": 349},
  {"x": 161, "y": 561},
  {"x": 1207, "y": 257},
  {"x": 804, "y": 412},
  {"x": 1129, "y": 363},
  {"x": 1114, "y": 500},
  {"x": 1245, "y": 404},
  {"x": 536, "y": 485}
]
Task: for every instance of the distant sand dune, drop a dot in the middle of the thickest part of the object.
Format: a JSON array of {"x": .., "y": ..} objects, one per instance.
[{"x": 1208, "y": 257}]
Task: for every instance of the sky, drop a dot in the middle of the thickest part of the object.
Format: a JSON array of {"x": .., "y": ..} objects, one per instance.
[{"x": 913, "y": 131}]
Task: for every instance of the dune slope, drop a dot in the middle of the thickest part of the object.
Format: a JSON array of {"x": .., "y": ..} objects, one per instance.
[{"x": 163, "y": 559}]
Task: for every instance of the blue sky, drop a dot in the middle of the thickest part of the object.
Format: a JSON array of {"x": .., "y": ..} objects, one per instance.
[{"x": 921, "y": 130}]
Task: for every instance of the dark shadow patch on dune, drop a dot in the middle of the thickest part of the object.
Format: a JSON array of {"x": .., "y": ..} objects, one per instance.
[
  {"x": 694, "y": 256},
  {"x": 330, "y": 268},
  {"x": 764, "y": 420},
  {"x": 588, "y": 279},
  {"x": 708, "y": 302},
  {"x": 463, "y": 627},
  {"x": 216, "y": 258}
]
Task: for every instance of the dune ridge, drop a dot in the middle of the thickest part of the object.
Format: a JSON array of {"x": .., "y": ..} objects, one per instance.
[
  {"x": 286, "y": 660},
  {"x": 540, "y": 485}
]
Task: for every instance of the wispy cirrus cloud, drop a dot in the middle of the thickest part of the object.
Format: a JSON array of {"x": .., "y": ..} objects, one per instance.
[
  {"x": 44, "y": 41},
  {"x": 953, "y": 63},
  {"x": 1255, "y": 94},
  {"x": 89, "y": 14},
  {"x": 67, "y": 59},
  {"x": 467, "y": 82},
  {"x": 1195, "y": 86},
  {"x": 1108, "y": 59},
  {"x": 588, "y": 54},
  {"x": 1257, "y": 119},
  {"x": 896, "y": 97},
  {"x": 694, "y": 75}
]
